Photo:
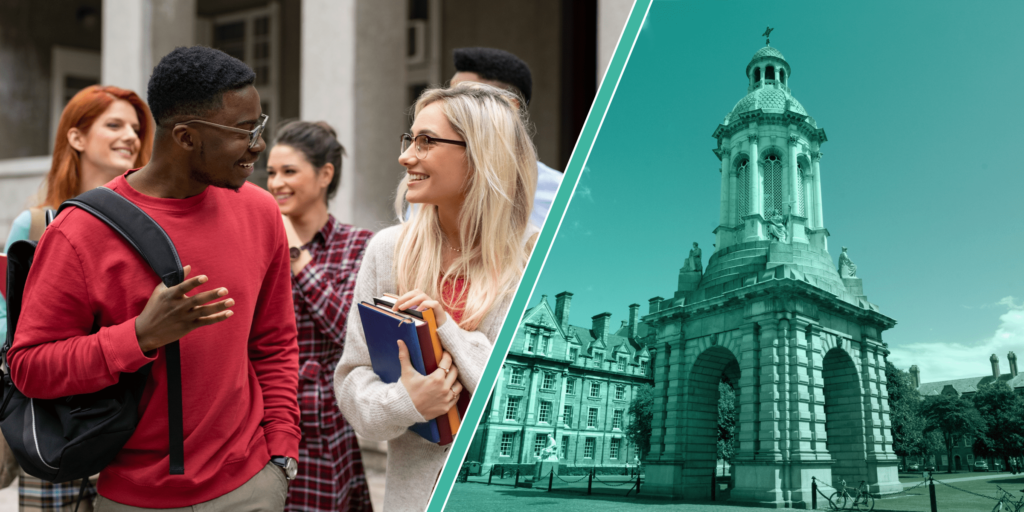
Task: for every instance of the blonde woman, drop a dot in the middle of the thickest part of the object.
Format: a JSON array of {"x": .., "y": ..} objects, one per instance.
[{"x": 472, "y": 169}]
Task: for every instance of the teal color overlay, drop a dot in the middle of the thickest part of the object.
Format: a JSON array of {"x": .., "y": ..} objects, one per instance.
[{"x": 577, "y": 161}]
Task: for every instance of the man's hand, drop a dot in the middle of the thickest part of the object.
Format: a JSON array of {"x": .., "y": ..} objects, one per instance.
[
  {"x": 170, "y": 314},
  {"x": 434, "y": 394}
]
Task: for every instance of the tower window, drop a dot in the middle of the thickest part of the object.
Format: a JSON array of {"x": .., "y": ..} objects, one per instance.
[
  {"x": 757, "y": 74},
  {"x": 782, "y": 75},
  {"x": 769, "y": 73},
  {"x": 772, "y": 185},
  {"x": 743, "y": 189},
  {"x": 801, "y": 209}
]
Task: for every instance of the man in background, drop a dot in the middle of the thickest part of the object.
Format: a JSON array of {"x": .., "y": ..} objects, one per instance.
[{"x": 504, "y": 70}]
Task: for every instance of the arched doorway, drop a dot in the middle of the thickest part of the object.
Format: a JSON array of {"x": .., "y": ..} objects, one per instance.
[
  {"x": 844, "y": 417},
  {"x": 957, "y": 464},
  {"x": 714, "y": 367}
]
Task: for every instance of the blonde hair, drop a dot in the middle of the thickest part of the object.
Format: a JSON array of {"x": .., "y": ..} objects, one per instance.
[{"x": 495, "y": 214}]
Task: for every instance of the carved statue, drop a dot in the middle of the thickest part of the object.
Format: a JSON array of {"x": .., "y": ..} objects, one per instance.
[
  {"x": 777, "y": 227},
  {"x": 549, "y": 453},
  {"x": 693, "y": 261},
  {"x": 846, "y": 267}
]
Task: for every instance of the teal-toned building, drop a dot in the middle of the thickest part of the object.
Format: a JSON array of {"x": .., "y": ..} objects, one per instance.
[{"x": 569, "y": 382}]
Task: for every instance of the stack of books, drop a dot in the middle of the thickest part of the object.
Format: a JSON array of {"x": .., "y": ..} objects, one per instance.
[{"x": 382, "y": 328}]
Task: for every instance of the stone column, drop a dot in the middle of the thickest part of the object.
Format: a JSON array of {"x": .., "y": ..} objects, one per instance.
[
  {"x": 723, "y": 216},
  {"x": 819, "y": 216},
  {"x": 771, "y": 374},
  {"x": 816, "y": 388},
  {"x": 794, "y": 190},
  {"x": 810, "y": 206},
  {"x": 353, "y": 75},
  {"x": 756, "y": 183},
  {"x": 750, "y": 394},
  {"x": 882, "y": 474},
  {"x": 137, "y": 34}
]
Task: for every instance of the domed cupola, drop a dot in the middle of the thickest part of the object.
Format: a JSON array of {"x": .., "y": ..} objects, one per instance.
[{"x": 768, "y": 68}]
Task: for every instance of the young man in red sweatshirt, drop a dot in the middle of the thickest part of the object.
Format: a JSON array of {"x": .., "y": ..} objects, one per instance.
[{"x": 94, "y": 309}]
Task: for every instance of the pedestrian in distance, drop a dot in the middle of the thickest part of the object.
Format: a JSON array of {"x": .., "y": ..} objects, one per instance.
[
  {"x": 303, "y": 172},
  {"x": 103, "y": 132}
]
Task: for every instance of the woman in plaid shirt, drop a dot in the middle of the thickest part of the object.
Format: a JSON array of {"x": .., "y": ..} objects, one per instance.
[{"x": 303, "y": 173}]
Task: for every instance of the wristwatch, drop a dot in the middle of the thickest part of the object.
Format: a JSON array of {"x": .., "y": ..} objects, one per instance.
[
  {"x": 294, "y": 253},
  {"x": 289, "y": 465}
]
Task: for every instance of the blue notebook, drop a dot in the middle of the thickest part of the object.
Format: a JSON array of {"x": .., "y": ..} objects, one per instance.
[{"x": 382, "y": 331}]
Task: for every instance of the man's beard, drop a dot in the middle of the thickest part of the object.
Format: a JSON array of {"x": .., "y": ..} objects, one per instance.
[{"x": 201, "y": 176}]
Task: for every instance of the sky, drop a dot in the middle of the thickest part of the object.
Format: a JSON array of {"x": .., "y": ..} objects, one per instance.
[{"x": 922, "y": 176}]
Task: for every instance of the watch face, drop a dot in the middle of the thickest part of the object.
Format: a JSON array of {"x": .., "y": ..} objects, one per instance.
[{"x": 291, "y": 468}]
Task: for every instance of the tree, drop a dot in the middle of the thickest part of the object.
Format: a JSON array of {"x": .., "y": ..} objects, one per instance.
[
  {"x": 953, "y": 417},
  {"x": 641, "y": 414},
  {"x": 908, "y": 439},
  {"x": 1003, "y": 412},
  {"x": 726, "y": 421}
]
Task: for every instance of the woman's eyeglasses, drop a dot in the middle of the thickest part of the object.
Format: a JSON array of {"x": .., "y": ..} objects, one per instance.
[
  {"x": 254, "y": 134},
  {"x": 423, "y": 143}
]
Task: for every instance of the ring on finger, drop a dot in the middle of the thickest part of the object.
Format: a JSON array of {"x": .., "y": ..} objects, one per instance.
[{"x": 445, "y": 369}]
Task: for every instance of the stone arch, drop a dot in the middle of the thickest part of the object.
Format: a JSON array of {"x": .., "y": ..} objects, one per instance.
[
  {"x": 700, "y": 430},
  {"x": 845, "y": 437},
  {"x": 769, "y": 73}
]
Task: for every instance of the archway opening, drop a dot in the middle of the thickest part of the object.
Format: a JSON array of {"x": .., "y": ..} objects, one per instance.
[
  {"x": 715, "y": 372},
  {"x": 844, "y": 418},
  {"x": 782, "y": 76},
  {"x": 769, "y": 73},
  {"x": 757, "y": 75}
]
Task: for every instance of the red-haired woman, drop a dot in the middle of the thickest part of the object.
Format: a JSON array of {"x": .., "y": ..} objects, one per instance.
[{"x": 103, "y": 132}]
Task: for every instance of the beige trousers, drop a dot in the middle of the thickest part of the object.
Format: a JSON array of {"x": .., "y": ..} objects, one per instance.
[{"x": 265, "y": 492}]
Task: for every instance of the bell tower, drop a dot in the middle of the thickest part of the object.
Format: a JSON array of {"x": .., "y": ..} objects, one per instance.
[
  {"x": 789, "y": 331},
  {"x": 770, "y": 150}
]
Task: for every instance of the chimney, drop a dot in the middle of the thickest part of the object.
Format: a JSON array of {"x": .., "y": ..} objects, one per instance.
[
  {"x": 600, "y": 325},
  {"x": 562, "y": 301},
  {"x": 655, "y": 303},
  {"x": 634, "y": 325},
  {"x": 995, "y": 365},
  {"x": 1012, "y": 358},
  {"x": 915, "y": 376}
]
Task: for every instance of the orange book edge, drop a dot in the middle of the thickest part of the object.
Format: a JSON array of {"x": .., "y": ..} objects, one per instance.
[{"x": 453, "y": 413}]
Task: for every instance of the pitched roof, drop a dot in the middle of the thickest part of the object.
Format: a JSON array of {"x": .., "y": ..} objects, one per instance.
[{"x": 969, "y": 385}]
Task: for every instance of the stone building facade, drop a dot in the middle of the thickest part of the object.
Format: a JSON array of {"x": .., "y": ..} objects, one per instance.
[
  {"x": 357, "y": 64},
  {"x": 570, "y": 382},
  {"x": 771, "y": 315},
  {"x": 963, "y": 454}
]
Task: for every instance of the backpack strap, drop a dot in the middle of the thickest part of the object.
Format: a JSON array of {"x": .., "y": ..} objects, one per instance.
[{"x": 152, "y": 243}]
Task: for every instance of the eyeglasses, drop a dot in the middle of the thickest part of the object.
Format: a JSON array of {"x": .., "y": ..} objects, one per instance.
[
  {"x": 254, "y": 134},
  {"x": 423, "y": 143}
]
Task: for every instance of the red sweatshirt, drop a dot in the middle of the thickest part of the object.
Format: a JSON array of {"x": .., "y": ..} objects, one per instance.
[{"x": 239, "y": 377}]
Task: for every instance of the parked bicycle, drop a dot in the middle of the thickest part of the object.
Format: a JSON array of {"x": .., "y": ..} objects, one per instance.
[
  {"x": 861, "y": 501},
  {"x": 1006, "y": 503}
]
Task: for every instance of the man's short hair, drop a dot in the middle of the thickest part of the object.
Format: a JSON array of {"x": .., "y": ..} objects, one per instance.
[
  {"x": 497, "y": 65},
  {"x": 192, "y": 82}
]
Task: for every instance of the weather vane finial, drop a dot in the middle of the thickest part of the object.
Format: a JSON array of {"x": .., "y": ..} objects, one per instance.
[{"x": 767, "y": 36}]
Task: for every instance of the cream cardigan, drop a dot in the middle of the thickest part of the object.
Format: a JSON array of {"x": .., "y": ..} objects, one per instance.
[{"x": 384, "y": 412}]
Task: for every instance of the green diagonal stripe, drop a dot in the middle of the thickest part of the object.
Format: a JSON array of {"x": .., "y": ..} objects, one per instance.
[{"x": 577, "y": 161}]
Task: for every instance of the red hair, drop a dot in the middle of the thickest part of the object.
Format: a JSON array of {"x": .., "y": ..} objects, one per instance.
[{"x": 64, "y": 179}]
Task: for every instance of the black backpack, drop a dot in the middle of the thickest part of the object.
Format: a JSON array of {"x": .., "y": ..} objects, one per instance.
[{"x": 75, "y": 437}]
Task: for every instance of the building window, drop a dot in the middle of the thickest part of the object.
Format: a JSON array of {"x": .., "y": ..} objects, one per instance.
[
  {"x": 529, "y": 342},
  {"x": 574, "y": 353},
  {"x": 595, "y": 389},
  {"x": 565, "y": 447},
  {"x": 772, "y": 191},
  {"x": 539, "y": 443},
  {"x": 544, "y": 415},
  {"x": 643, "y": 367},
  {"x": 567, "y": 414},
  {"x": 956, "y": 442},
  {"x": 506, "y": 443},
  {"x": 588, "y": 448},
  {"x": 517, "y": 377},
  {"x": 570, "y": 386},
  {"x": 592, "y": 417},
  {"x": 620, "y": 392},
  {"x": 743, "y": 188},
  {"x": 614, "y": 451},
  {"x": 549, "y": 380},
  {"x": 617, "y": 419},
  {"x": 622, "y": 364},
  {"x": 542, "y": 344},
  {"x": 512, "y": 409}
]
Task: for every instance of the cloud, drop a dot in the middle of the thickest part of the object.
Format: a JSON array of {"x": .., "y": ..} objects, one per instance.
[
  {"x": 946, "y": 361},
  {"x": 584, "y": 192}
]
